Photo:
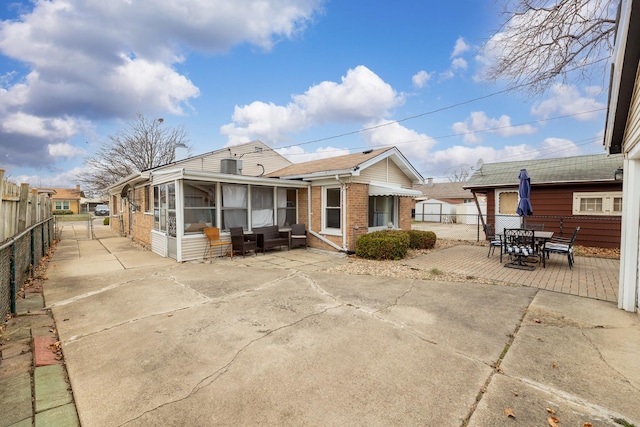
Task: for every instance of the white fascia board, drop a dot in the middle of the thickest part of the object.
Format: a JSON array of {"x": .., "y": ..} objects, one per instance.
[
  {"x": 400, "y": 161},
  {"x": 239, "y": 179},
  {"x": 618, "y": 59}
]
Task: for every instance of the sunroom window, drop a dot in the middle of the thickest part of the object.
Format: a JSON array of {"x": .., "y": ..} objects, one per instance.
[
  {"x": 199, "y": 206},
  {"x": 234, "y": 206}
]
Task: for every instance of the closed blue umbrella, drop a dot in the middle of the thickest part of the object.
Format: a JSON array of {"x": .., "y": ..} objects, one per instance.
[{"x": 524, "y": 191}]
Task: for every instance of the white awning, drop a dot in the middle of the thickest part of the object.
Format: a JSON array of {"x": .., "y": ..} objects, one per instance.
[{"x": 390, "y": 190}]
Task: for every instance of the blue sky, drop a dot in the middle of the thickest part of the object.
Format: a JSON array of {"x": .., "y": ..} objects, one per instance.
[{"x": 310, "y": 78}]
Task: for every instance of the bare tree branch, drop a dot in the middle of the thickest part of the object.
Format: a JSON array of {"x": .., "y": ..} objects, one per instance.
[
  {"x": 544, "y": 41},
  {"x": 140, "y": 145}
]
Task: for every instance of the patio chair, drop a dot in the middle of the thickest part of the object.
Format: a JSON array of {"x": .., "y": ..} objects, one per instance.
[
  {"x": 521, "y": 244},
  {"x": 213, "y": 239},
  {"x": 495, "y": 241},
  {"x": 298, "y": 235},
  {"x": 241, "y": 242},
  {"x": 563, "y": 246}
]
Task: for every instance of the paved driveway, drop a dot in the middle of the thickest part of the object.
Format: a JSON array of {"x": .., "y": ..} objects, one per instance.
[{"x": 151, "y": 342}]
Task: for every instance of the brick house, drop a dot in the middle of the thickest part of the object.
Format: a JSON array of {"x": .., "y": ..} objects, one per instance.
[{"x": 251, "y": 185}]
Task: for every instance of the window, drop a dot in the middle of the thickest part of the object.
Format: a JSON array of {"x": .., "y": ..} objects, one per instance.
[
  {"x": 164, "y": 208},
  {"x": 617, "y": 204},
  {"x": 595, "y": 203},
  {"x": 381, "y": 211},
  {"x": 234, "y": 206},
  {"x": 286, "y": 207},
  {"x": 261, "y": 206},
  {"x": 199, "y": 206},
  {"x": 332, "y": 208},
  {"x": 508, "y": 202},
  {"x": 62, "y": 205}
]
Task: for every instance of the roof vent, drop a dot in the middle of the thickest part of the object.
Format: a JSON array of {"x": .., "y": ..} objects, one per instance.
[
  {"x": 231, "y": 166},
  {"x": 367, "y": 152}
]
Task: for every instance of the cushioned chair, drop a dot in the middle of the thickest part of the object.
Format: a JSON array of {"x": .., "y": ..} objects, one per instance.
[
  {"x": 241, "y": 242},
  {"x": 298, "y": 235},
  {"x": 494, "y": 241},
  {"x": 563, "y": 246},
  {"x": 521, "y": 244},
  {"x": 214, "y": 241}
]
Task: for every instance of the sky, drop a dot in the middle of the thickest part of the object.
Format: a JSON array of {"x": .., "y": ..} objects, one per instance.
[{"x": 309, "y": 78}]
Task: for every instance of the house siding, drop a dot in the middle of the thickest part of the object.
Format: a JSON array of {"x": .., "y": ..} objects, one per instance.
[
  {"x": 632, "y": 131},
  {"x": 246, "y": 153},
  {"x": 553, "y": 206},
  {"x": 384, "y": 171}
]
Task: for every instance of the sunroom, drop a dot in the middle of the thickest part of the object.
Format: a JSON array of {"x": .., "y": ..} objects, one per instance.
[{"x": 185, "y": 202}]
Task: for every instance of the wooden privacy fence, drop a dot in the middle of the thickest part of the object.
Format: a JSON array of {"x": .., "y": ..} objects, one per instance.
[{"x": 20, "y": 208}]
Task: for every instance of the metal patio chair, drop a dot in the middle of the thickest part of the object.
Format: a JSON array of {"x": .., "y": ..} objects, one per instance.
[{"x": 563, "y": 246}]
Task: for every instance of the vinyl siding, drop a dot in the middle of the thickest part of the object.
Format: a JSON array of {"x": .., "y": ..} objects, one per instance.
[
  {"x": 384, "y": 171},
  {"x": 194, "y": 246},
  {"x": 632, "y": 132},
  {"x": 246, "y": 153},
  {"x": 159, "y": 243}
]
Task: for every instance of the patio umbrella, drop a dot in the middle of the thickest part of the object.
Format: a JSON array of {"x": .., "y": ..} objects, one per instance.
[{"x": 524, "y": 191}]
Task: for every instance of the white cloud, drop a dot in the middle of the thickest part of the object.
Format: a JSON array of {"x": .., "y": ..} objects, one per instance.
[
  {"x": 65, "y": 150},
  {"x": 460, "y": 47},
  {"x": 566, "y": 100},
  {"x": 360, "y": 96},
  {"x": 558, "y": 147},
  {"x": 458, "y": 64},
  {"x": 387, "y": 133},
  {"x": 478, "y": 123},
  {"x": 297, "y": 154},
  {"x": 112, "y": 59},
  {"x": 421, "y": 78}
]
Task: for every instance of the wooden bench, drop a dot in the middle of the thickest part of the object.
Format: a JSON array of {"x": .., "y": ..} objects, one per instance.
[{"x": 270, "y": 237}]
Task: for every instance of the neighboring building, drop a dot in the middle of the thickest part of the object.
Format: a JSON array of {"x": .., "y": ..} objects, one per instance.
[
  {"x": 250, "y": 185},
  {"x": 64, "y": 199},
  {"x": 566, "y": 192},
  {"x": 89, "y": 204},
  {"x": 452, "y": 193},
  {"x": 622, "y": 135},
  {"x": 447, "y": 202}
]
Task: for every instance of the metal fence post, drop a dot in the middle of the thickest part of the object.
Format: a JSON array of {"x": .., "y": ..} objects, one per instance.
[{"x": 12, "y": 277}]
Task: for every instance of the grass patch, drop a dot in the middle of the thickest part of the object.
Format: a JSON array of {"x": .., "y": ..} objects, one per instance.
[
  {"x": 75, "y": 217},
  {"x": 436, "y": 272}
]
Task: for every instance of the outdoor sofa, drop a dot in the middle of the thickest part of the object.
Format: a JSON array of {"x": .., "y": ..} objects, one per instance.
[{"x": 270, "y": 237}]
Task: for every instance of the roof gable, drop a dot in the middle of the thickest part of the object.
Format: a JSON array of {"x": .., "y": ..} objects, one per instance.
[
  {"x": 596, "y": 167},
  {"x": 347, "y": 164}
]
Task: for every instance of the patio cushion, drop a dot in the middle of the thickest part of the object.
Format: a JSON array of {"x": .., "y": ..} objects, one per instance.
[
  {"x": 521, "y": 250},
  {"x": 558, "y": 247}
]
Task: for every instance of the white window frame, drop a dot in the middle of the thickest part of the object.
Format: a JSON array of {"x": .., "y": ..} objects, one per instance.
[
  {"x": 395, "y": 214},
  {"x": 325, "y": 229},
  {"x": 607, "y": 202}
]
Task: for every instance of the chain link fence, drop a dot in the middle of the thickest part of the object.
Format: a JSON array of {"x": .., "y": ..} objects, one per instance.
[
  {"x": 18, "y": 257},
  {"x": 599, "y": 232}
]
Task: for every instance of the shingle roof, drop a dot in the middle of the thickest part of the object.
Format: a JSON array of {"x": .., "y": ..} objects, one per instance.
[
  {"x": 445, "y": 190},
  {"x": 339, "y": 163},
  {"x": 596, "y": 167},
  {"x": 67, "y": 194}
]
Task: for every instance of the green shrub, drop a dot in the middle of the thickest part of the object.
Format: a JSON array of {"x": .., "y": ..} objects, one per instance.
[
  {"x": 63, "y": 212},
  {"x": 386, "y": 244},
  {"x": 419, "y": 239},
  {"x": 105, "y": 221}
]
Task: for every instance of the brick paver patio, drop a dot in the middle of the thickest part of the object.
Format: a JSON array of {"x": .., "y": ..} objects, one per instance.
[{"x": 590, "y": 277}]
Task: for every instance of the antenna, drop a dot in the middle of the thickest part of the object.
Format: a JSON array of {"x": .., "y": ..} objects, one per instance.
[{"x": 479, "y": 165}]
